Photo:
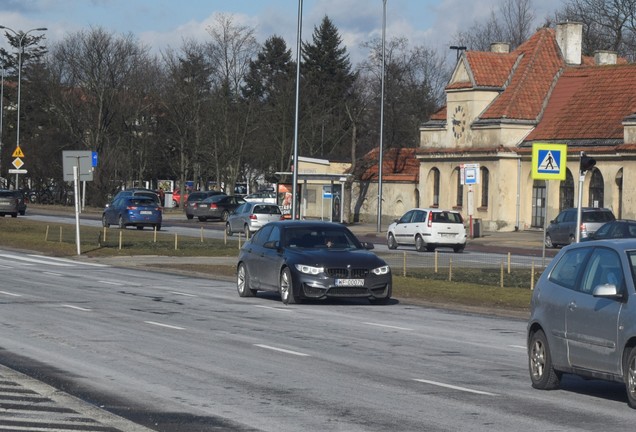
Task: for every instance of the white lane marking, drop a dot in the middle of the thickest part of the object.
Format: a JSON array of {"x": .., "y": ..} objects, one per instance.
[
  {"x": 274, "y": 308},
  {"x": 10, "y": 294},
  {"x": 77, "y": 308},
  {"x": 164, "y": 325},
  {"x": 282, "y": 350},
  {"x": 450, "y": 386},
  {"x": 6, "y": 266},
  {"x": 33, "y": 260},
  {"x": 52, "y": 274},
  {"x": 71, "y": 262},
  {"x": 110, "y": 283},
  {"x": 518, "y": 346},
  {"x": 183, "y": 294},
  {"x": 388, "y": 326}
]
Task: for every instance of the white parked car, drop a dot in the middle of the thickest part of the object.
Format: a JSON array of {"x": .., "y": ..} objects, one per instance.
[
  {"x": 263, "y": 196},
  {"x": 427, "y": 229},
  {"x": 251, "y": 216}
]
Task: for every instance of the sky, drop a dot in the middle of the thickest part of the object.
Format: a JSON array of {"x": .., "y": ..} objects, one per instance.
[{"x": 162, "y": 24}]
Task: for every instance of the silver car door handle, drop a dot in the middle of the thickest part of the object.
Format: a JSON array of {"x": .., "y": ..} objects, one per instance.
[{"x": 572, "y": 306}]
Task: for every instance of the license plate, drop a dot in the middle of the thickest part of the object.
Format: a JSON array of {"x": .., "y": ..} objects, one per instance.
[
  {"x": 145, "y": 212},
  {"x": 448, "y": 234},
  {"x": 349, "y": 282}
]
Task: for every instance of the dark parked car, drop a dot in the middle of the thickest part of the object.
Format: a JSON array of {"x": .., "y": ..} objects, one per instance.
[
  {"x": 133, "y": 210},
  {"x": 193, "y": 200},
  {"x": 311, "y": 260},
  {"x": 217, "y": 207},
  {"x": 583, "y": 316},
  {"x": 562, "y": 230},
  {"x": 12, "y": 203},
  {"x": 252, "y": 216},
  {"x": 619, "y": 228}
]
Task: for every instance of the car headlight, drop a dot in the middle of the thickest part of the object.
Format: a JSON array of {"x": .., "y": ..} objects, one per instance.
[
  {"x": 307, "y": 269},
  {"x": 381, "y": 270}
]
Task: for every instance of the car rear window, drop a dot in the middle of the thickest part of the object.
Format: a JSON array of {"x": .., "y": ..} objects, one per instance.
[
  {"x": 597, "y": 216},
  {"x": 141, "y": 202},
  {"x": 6, "y": 194},
  {"x": 447, "y": 217},
  {"x": 262, "y": 209}
]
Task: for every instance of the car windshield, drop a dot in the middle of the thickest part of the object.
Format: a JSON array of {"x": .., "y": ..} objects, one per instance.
[{"x": 309, "y": 238}]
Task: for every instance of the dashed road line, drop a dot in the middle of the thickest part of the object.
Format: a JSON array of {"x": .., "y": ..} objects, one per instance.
[
  {"x": 388, "y": 326},
  {"x": 454, "y": 387},
  {"x": 286, "y": 351},
  {"x": 164, "y": 325},
  {"x": 77, "y": 308}
]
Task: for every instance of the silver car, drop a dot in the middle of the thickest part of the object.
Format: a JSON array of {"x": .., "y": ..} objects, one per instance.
[
  {"x": 10, "y": 203},
  {"x": 583, "y": 316},
  {"x": 251, "y": 216}
]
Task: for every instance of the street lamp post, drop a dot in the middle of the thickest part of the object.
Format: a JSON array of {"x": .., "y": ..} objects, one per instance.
[
  {"x": 21, "y": 36},
  {"x": 381, "y": 158},
  {"x": 1, "y": 118}
]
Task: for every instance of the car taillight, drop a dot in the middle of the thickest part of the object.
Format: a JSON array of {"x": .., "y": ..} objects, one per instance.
[
  {"x": 583, "y": 227},
  {"x": 430, "y": 219},
  {"x": 131, "y": 208},
  {"x": 253, "y": 217},
  {"x": 213, "y": 206}
]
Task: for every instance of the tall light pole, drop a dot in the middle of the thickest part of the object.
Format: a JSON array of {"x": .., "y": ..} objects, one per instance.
[
  {"x": 21, "y": 36},
  {"x": 297, "y": 109},
  {"x": 381, "y": 161},
  {"x": 1, "y": 117}
]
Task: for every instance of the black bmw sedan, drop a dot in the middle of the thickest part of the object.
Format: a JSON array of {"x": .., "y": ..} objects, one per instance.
[{"x": 311, "y": 260}]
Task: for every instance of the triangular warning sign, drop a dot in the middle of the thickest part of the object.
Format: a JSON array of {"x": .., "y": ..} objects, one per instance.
[
  {"x": 17, "y": 153},
  {"x": 549, "y": 163}
]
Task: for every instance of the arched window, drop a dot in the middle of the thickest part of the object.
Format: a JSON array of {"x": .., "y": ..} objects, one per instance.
[
  {"x": 485, "y": 178},
  {"x": 566, "y": 191},
  {"x": 596, "y": 189},
  {"x": 435, "y": 172},
  {"x": 460, "y": 188}
]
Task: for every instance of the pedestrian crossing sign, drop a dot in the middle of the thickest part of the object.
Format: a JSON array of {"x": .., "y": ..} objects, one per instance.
[{"x": 548, "y": 161}]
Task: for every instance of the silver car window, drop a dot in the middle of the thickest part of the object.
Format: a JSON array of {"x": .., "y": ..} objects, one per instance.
[
  {"x": 603, "y": 267},
  {"x": 565, "y": 272}
]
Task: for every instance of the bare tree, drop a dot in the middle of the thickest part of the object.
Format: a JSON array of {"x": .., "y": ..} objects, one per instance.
[
  {"x": 95, "y": 74},
  {"x": 608, "y": 24},
  {"x": 512, "y": 23},
  {"x": 230, "y": 51}
]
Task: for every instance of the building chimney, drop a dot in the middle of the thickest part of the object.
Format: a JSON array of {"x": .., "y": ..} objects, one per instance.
[
  {"x": 569, "y": 36},
  {"x": 500, "y": 47},
  {"x": 605, "y": 58}
]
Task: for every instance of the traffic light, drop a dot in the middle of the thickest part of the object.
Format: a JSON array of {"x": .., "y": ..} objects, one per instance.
[{"x": 587, "y": 163}]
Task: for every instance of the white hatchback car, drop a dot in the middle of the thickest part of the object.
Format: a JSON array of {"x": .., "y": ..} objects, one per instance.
[{"x": 428, "y": 229}]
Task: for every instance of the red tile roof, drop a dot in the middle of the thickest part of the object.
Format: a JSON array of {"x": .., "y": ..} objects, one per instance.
[
  {"x": 490, "y": 69},
  {"x": 398, "y": 165},
  {"x": 589, "y": 103}
]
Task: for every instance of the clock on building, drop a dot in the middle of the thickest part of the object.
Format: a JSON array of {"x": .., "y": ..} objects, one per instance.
[{"x": 459, "y": 121}]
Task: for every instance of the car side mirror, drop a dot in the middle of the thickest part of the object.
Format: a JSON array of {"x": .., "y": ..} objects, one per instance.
[
  {"x": 607, "y": 291},
  {"x": 274, "y": 244},
  {"x": 367, "y": 245}
]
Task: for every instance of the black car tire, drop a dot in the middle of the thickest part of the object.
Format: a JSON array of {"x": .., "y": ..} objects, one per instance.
[
  {"x": 158, "y": 227},
  {"x": 14, "y": 215},
  {"x": 105, "y": 223},
  {"x": 202, "y": 219},
  {"x": 189, "y": 216},
  {"x": 542, "y": 373},
  {"x": 548, "y": 241},
  {"x": 121, "y": 224},
  {"x": 286, "y": 287},
  {"x": 228, "y": 229},
  {"x": 225, "y": 215},
  {"x": 430, "y": 248},
  {"x": 458, "y": 249},
  {"x": 243, "y": 282},
  {"x": 391, "y": 242},
  {"x": 22, "y": 212},
  {"x": 630, "y": 378},
  {"x": 419, "y": 243},
  {"x": 139, "y": 227}
]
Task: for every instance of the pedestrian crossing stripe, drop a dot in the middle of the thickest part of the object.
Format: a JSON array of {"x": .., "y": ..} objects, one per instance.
[{"x": 549, "y": 161}]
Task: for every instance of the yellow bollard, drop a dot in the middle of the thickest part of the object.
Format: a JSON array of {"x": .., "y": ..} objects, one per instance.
[
  {"x": 104, "y": 235},
  {"x": 450, "y": 270},
  {"x": 435, "y": 262},
  {"x": 121, "y": 235},
  {"x": 60, "y": 234},
  {"x": 508, "y": 262},
  {"x": 532, "y": 276},
  {"x": 46, "y": 236},
  {"x": 239, "y": 244},
  {"x": 176, "y": 242},
  {"x": 404, "y": 266},
  {"x": 501, "y": 283},
  {"x": 155, "y": 235},
  {"x": 201, "y": 234}
]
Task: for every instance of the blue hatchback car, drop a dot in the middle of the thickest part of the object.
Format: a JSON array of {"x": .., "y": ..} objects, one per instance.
[{"x": 137, "y": 211}]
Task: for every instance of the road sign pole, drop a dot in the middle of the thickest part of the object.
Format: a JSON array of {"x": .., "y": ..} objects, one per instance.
[{"x": 77, "y": 220}]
